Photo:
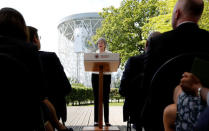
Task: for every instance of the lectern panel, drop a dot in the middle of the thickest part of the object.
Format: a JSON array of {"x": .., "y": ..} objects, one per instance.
[
  {"x": 109, "y": 61},
  {"x": 101, "y": 62}
]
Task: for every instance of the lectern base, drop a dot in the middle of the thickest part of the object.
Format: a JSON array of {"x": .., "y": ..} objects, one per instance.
[{"x": 105, "y": 128}]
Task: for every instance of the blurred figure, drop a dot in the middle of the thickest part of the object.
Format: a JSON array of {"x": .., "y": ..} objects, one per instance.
[
  {"x": 22, "y": 102},
  {"x": 181, "y": 119},
  {"x": 58, "y": 85},
  {"x": 191, "y": 85},
  {"x": 131, "y": 86}
]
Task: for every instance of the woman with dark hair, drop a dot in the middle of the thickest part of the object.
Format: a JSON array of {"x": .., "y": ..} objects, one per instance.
[
  {"x": 23, "y": 86},
  {"x": 102, "y": 45}
]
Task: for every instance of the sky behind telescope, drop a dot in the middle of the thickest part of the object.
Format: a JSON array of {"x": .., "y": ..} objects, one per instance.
[{"x": 45, "y": 15}]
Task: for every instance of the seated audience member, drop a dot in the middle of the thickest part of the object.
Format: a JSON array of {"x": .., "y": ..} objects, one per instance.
[
  {"x": 58, "y": 85},
  {"x": 130, "y": 86},
  {"x": 169, "y": 115},
  {"x": 182, "y": 39},
  {"x": 191, "y": 85},
  {"x": 184, "y": 114},
  {"x": 22, "y": 87}
]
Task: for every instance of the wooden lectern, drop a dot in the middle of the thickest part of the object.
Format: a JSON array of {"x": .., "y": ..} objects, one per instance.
[{"x": 101, "y": 62}]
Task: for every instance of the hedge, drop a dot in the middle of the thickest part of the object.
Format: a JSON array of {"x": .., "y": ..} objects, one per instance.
[{"x": 84, "y": 95}]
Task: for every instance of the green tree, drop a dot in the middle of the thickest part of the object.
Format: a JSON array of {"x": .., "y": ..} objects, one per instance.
[
  {"x": 162, "y": 22},
  {"x": 127, "y": 27},
  {"x": 205, "y": 16},
  {"x": 121, "y": 26}
]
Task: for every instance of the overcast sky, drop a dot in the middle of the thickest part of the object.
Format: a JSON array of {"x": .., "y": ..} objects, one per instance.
[{"x": 46, "y": 14}]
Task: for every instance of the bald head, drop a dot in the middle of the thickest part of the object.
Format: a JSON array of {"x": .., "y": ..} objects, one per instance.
[
  {"x": 187, "y": 10},
  {"x": 193, "y": 8}
]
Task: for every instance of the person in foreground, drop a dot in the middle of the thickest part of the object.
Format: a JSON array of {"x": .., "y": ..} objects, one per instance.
[
  {"x": 197, "y": 119},
  {"x": 186, "y": 37},
  {"x": 21, "y": 102},
  {"x": 102, "y": 48},
  {"x": 192, "y": 85},
  {"x": 131, "y": 86},
  {"x": 58, "y": 85}
]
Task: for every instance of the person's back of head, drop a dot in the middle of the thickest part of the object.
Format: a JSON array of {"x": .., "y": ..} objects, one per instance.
[
  {"x": 187, "y": 10},
  {"x": 193, "y": 8},
  {"x": 12, "y": 24},
  {"x": 152, "y": 35}
]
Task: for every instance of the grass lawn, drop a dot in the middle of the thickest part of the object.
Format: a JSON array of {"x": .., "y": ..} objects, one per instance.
[
  {"x": 111, "y": 104},
  {"x": 116, "y": 104}
]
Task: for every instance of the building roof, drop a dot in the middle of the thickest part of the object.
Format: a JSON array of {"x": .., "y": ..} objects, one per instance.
[{"x": 88, "y": 15}]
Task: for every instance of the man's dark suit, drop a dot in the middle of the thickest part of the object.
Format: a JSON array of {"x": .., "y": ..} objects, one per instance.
[
  {"x": 186, "y": 38},
  {"x": 22, "y": 85},
  {"x": 130, "y": 88},
  {"x": 58, "y": 85}
]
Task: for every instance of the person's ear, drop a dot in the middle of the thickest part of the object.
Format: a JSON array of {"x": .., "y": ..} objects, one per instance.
[
  {"x": 35, "y": 39},
  {"x": 178, "y": 14}
]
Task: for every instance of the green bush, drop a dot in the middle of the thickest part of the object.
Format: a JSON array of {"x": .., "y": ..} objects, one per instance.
[
  {"x": 84, "y": 95},
  {"x": 114, "y": 94}
]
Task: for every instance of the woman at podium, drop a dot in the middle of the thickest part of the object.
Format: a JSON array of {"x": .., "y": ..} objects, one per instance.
[{"x": 101, "y": 44}]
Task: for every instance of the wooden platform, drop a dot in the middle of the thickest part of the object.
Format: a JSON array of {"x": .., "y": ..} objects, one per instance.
[
  {"x": 80, "y": 128},
  {"x": 79, "y": 117},
  {"x": 105, "y": 128}
]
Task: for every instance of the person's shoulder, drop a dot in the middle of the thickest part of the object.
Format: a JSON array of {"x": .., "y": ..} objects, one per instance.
[
  {"x": 47, "y": 53},
  {"x": 165, "y": 35},
  {"x": 132, "y": 58},
  {"x": 205, "y": 32},
  {"x": 137, "y": 58},
  {"x": 140, "y": 56},
  {"x": 161, "y": 40},
  {"x": 9, "y": 42}
]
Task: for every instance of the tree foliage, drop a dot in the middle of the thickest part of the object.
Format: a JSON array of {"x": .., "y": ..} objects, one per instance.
[
  {"x": 205, "y": 16},
  {"x": 126, "y": 28},
  {"x": 162, "y": 22},
  {"x": 121, "y": 26}
]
